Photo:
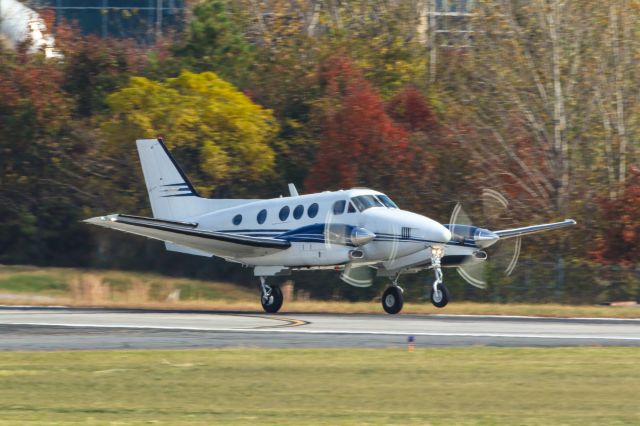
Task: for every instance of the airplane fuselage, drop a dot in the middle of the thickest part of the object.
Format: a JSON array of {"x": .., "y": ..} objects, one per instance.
[{"x": 395, "y": 233}]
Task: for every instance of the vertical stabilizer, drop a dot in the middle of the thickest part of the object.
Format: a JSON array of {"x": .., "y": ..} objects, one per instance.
[{"x": 171, "y": 193}]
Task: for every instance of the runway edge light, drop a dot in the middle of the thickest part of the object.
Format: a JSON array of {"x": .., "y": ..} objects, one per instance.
[{"x": 411, "y": 343}]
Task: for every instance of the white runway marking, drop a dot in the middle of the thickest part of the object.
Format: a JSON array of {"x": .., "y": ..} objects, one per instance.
[
  {"x": 317, "y": 329},
  {"x": 320, "y": 331}
]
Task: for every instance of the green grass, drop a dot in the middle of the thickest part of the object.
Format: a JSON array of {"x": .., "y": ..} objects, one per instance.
[
  {"x": 31, "y": 283},
  {"x": 107, "y": 288},
  {"x": 78, "y": 287},
  {"x": 465, "y": 386}
]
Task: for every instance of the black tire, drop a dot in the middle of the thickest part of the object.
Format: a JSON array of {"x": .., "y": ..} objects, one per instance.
[
  {"x": 392, "y": 300},
  {"x": 274, "y": 303},
  {"x": 440, "y": 299}
]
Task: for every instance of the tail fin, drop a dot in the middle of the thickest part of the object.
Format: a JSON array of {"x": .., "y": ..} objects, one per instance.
[{"x": 171, "y": 193}]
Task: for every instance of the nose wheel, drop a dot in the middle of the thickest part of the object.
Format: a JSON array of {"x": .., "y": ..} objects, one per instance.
[
  {"x": 438, "y": 293},
  {"x": 271, "y": 297}
]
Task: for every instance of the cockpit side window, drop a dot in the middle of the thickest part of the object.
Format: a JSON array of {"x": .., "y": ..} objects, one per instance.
[
  {"x": 387, "y": 201},
  {"x": 364, "y": 202},
  {"x": 351, "y": 208},
  {"x": 338, "y": 207}
]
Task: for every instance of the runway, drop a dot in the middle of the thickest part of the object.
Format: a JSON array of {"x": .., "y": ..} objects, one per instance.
[{"x": 31, "y": 328}]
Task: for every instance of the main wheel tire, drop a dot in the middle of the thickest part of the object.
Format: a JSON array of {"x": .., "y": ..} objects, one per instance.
[
  {"x": 274, "y": 302},
  {"x": 392, "y": 300},
  {"x": 440, "y": 297}
]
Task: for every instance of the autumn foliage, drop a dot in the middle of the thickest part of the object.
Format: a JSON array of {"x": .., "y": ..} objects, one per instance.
[
  {"x": 253, "y": 95},
  {"x": 620, "y": 241},
  {"x": 360, "y": 143},
  {"x": 410, "y": 109}
]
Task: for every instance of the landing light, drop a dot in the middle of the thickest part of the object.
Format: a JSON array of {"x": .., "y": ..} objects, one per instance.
[{"x": 437, "y": 251}]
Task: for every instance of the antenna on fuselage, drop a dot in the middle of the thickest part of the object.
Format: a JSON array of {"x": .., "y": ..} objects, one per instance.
[{"x": 293, "y": 191}]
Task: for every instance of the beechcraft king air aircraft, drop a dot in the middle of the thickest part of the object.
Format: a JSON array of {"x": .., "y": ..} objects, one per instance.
[{"x": 359, "y": 232}]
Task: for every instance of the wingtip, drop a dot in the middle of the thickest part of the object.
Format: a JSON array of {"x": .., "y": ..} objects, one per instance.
[{"x": 101, "y": 219}]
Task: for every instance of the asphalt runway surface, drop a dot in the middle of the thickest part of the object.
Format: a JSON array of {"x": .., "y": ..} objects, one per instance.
[{"x": 30, "y": 328}]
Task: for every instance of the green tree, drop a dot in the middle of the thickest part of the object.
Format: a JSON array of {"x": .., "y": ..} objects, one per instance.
[
  {"x": 227, "y": 137},
  {"x": 214, "y": 42},
  {"x": 95, "y": 67}
]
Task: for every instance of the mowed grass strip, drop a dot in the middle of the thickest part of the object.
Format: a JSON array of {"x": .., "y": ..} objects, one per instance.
[{"x": 463, "y": 386}]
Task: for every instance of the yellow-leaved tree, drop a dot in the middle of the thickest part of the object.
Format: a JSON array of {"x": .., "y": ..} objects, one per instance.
[{"x": 222, "y": 137}]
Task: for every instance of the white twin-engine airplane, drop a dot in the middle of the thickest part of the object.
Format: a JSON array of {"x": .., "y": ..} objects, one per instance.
[{"x": 360, "y": 232}]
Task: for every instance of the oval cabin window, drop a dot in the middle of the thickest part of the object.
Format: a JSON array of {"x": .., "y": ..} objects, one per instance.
[
  {"x": 237, "y": 219},
  {"x": 313, "y": 210},
  {"x": 298, "y": 212},
  {"x": 262, "y": 216},
  {"x": 284, "y": 213}
]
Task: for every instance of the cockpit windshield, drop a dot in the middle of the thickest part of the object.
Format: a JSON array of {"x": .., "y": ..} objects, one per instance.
[
  {"x": 364, "y": 202},
  {"x": 387, "y": 201}
]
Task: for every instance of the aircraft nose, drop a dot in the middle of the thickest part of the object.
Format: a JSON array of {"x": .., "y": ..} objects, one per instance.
[
  {"x": 438, "y": 233},
  {"x": 444, "y": 234}
]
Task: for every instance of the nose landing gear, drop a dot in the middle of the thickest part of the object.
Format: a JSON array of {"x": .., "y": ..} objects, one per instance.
[
  {"x": 438, "y": 293},
  {"x": 439, "y": 296}
]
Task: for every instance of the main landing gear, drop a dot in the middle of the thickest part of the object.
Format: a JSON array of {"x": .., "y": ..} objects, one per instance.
[
  {"x": 270, "y": 297},
  {"x": 392, "y": 299}
]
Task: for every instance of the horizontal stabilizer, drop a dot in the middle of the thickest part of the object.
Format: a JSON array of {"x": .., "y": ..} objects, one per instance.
[
  {"x": 141, "y": 219},
  {"x": 186, "y": 250},
  {"x": 534, "y": 229}
]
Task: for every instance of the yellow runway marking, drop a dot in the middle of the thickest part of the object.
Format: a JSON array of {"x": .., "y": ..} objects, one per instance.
[{"x": 289, "y": 322}]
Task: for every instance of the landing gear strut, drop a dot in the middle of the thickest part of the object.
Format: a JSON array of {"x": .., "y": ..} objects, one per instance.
[
  {"x": 438, "y": 293},
  {"x": 270, "y": 297}
]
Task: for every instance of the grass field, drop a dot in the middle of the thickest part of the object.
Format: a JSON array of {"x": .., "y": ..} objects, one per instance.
[
  {"x": 76, "y": 287},
  {"x": 113, "y": 288},
  {"x": 464, "y": 386}
]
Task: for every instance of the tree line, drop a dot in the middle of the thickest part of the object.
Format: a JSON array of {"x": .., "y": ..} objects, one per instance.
[{"x": 540, "y": 103}]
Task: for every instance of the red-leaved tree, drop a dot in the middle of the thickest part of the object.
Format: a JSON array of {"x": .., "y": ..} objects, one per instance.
[
  {"x": 410, "y": 109},
  {"x": 620, "y": 240},
  {"x": 360, "y": 144}
]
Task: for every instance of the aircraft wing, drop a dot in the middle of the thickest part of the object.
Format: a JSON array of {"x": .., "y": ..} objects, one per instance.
[
  {"x": 186, "y": 234},
  {"x": 534, "y": 229}
]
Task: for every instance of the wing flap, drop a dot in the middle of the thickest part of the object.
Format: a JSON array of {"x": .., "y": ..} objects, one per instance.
[
  {"x": 187, "y": 235},
  {"x": 534, "y": 229}
]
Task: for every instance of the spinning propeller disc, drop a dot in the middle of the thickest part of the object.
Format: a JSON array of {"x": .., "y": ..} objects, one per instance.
[{"x": 504, "y": 255}]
